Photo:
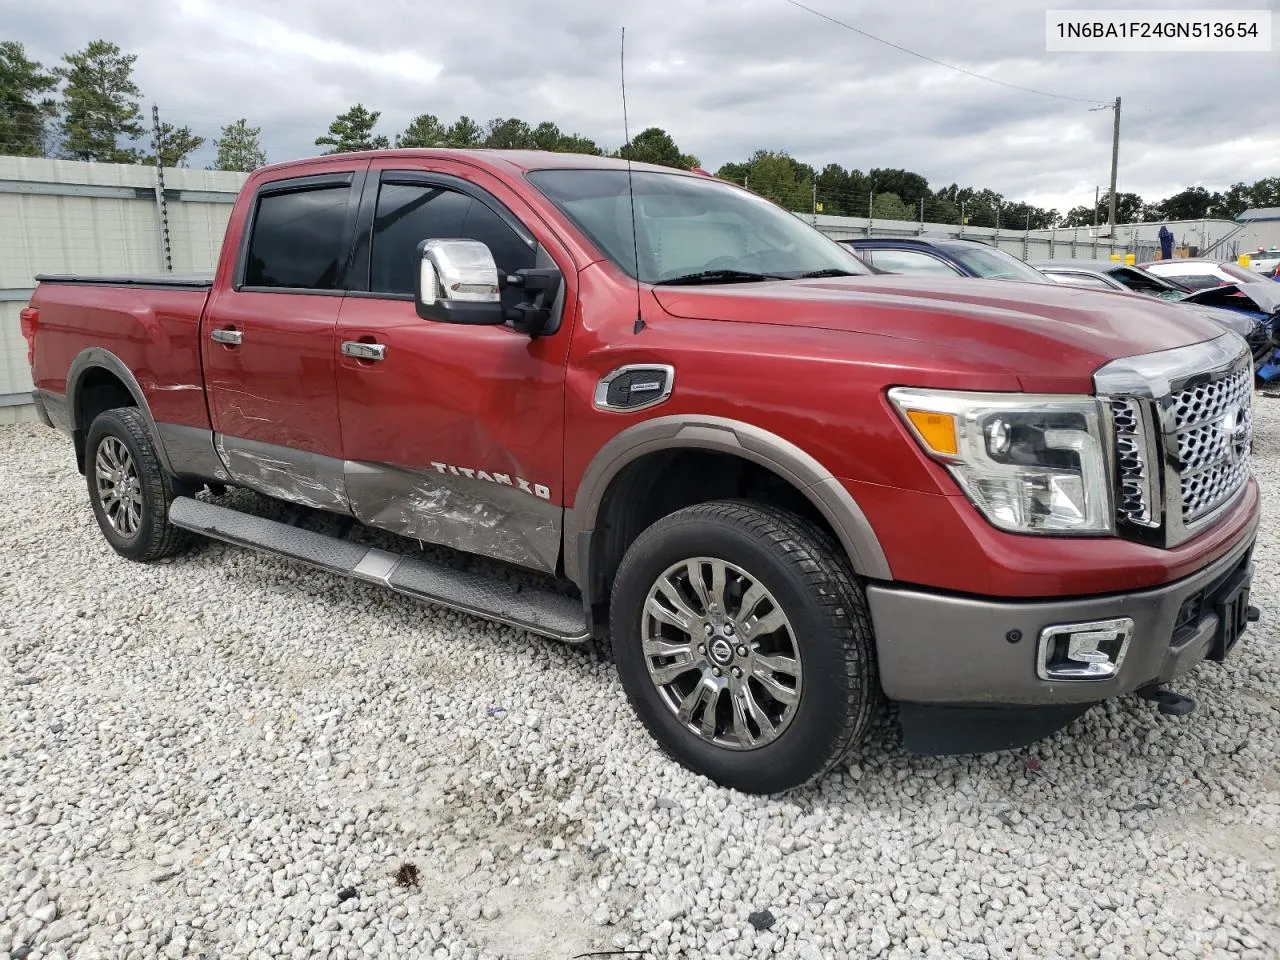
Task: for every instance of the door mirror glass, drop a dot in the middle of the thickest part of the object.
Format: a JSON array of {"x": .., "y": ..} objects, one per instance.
[{"x": 458, "y": 283}]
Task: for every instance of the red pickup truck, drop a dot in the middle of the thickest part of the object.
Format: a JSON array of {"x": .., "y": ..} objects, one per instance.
[{"x": 786, "y": 489}]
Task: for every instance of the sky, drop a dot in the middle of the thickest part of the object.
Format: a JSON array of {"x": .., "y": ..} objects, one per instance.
[{"x": 724, "y": 77}]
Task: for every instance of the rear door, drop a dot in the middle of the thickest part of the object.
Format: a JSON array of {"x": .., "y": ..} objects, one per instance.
[
  {"x": 267, "y": 339},
  {"x": 456, "y": 434}
]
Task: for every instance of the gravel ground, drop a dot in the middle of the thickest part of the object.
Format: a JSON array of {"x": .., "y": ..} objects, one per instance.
[{"x": 226, "y": 755}]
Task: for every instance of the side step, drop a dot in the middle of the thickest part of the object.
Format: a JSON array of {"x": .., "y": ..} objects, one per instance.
[{"x": 538, "y": 611}]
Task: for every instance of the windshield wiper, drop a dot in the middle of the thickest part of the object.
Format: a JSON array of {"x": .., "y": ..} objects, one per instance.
[
  {"x": 828, "y": 272},
  {"x": 717, "y": 276}
]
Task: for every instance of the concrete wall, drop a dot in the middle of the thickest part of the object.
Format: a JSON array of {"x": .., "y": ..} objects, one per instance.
[{"x": 64, "y": 216}]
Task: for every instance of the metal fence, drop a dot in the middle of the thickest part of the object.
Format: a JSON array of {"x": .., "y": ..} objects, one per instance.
[{"x": 1076, "y": 243}]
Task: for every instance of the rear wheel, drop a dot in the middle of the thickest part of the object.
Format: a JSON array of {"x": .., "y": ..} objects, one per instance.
[
  {"x": 744, "y": 644},
  {"x": 128, "y": 489}
]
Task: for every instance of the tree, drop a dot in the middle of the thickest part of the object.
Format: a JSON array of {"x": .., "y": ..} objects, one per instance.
[
  {"x": 99, "y": 104},
  {"x": 910, "y": 187},
  {"x": 352, "y": 131},
  {"x": 889, "y": 206},
  {"x": 424, "y": 130},
  {"x": 654, "y": 145},
  {"x": 464, "y": 132},
  {"x": 548, "y": 136},
  {"x": 176, "y": 145},
  {"x": 239, "y": 148},
  {"x": 509, "y": 134},
  {"x": 777, "y": 176},
  {"x": 24, "y": 111}
]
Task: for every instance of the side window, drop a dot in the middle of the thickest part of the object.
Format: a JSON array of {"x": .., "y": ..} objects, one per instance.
[
  {"x": 910, "y": 261},
  {"x": 297, "y": 239},
  {"x": 407, "y": 214},
  {"x": 1082, "y": 280}
]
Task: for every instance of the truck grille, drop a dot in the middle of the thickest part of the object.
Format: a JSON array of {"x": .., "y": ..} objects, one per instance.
[
  {"x": 1214, "y": 428},
  {"x": 1181, "y": 451}
]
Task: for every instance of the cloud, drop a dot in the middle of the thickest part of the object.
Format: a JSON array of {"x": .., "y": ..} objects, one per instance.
[{"x": 725, "y": 77}]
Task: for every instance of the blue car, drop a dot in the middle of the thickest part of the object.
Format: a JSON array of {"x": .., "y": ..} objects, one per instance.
[{"x": 943, "y": 256}]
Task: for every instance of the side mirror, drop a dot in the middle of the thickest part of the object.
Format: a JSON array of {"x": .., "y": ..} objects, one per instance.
[
  {"x": 458, "y": 283},
  {"x": 539, "y": 288}
]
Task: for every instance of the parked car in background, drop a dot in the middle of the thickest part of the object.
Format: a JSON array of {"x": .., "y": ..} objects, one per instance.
[
  {"x": 943, "y": 257},
  {"x": 1200, "y": 273},
  {"x": 1259, "y": 302},
  {"x": 1134, "y": 281},
  {"x": 1104, "y": 275},
  {"x": 1266, "y": 262}
]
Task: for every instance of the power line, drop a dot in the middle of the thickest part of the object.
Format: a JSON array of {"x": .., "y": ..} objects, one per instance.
[{"x": 940, "y": 63}]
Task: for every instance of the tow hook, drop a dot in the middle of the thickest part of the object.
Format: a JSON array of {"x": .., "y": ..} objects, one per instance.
[{"x": 1167, "y": 702}]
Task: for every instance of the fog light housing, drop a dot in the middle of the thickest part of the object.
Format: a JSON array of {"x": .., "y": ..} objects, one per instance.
[{"x": 1083, "y": 651}]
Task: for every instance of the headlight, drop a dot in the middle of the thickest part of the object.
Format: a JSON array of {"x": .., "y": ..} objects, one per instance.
[{"x": 1030, "y": 464}]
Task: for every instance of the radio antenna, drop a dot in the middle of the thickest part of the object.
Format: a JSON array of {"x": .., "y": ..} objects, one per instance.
[{"x": 631, "y": 190}]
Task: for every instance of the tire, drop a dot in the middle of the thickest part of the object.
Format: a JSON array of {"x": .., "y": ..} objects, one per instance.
[
  {"x": 128, "y": 489},
  {"x": 773, "y": 560}
]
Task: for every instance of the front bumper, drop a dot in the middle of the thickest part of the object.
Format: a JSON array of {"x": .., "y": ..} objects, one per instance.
[{"x": 959, "y": 651}]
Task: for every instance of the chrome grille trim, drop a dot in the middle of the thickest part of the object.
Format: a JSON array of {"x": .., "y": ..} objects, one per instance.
[
  {"x": 1135, "y": 495},
  {"x": 1182, "y": 422}
]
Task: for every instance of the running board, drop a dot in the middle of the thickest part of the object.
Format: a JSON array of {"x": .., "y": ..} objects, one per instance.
[{"x": 538, "y": 611}]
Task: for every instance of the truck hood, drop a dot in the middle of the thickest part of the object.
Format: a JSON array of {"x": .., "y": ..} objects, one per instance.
[{"x": 1054, "y": 337}]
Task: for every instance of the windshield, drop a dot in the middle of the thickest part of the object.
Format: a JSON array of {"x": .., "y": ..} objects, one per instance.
[
  {"x": 995, "y": 264},
  {"x": 691, "y": 227}
]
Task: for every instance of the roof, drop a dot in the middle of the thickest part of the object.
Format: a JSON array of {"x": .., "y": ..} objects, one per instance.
[
  {"x": 1260, "y": 213},
  {"x": 919, "y": 241},
  {"x": 519, "y": 161}
]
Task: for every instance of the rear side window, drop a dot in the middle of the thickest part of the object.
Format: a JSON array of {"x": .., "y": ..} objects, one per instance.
[
  {"x": 297, "y": 239},
  {"x": 407, "y": 214}
]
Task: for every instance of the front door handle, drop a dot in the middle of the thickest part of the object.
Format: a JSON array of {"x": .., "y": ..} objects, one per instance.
[
  {"x": 229, "y": 337},
  {"x": 364, "y": 351}
]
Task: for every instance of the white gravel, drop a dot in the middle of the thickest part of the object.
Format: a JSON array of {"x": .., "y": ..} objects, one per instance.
[{"x": 226, "y": 755}]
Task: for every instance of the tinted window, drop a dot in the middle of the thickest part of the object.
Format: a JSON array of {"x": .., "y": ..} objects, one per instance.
[
  {"x": 407, "y": 214},
  {"x": 297, "y": 239},
  {"x": 910, "y": 261}
]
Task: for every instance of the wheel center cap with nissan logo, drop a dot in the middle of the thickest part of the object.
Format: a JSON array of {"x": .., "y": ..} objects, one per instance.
[{"x": 721, "y": 650}]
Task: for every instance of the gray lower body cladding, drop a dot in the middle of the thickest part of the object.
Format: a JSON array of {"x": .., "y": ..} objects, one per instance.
[{"x": 946, "y": 650}]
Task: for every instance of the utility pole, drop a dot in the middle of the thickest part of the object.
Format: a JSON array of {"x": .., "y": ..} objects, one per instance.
[
  {"x": 157, "y": 145},
  {"x": 1115, "y": 161},
  {"x": 815, "y": 198}
]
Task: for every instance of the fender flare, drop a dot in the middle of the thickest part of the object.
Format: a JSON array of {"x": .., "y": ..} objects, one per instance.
[
  {"x": 101, "y": 358},
  {"x": 722, "y": 435}
]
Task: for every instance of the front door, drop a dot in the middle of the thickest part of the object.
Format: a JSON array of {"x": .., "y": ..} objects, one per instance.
[
  {"x": 456, "y": 435},
  {"x": 267, "y": 341}
]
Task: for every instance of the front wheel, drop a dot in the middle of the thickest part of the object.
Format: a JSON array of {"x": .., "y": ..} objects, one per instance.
[{"x": 744, "y": 644}]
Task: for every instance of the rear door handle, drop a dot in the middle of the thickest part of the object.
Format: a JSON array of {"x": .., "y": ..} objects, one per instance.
[
  {"x": 230, "y": 337},
  {"x": 364, "y": 351}
]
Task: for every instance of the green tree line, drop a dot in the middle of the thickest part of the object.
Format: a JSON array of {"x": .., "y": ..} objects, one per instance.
[{"x": 87, "y": 108}]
